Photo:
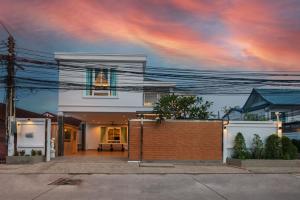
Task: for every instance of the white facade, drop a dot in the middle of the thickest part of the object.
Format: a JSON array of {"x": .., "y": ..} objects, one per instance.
[
  {"x": 129, "y": 73},
  {"x": 248, "y": 129},
  {"x": 107, "y": 91}
]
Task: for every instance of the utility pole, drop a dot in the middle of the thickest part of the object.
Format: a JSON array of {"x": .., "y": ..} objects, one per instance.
[{"x": 10, "y": 99}]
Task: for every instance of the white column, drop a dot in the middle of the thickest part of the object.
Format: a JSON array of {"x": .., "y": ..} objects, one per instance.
[
  {"x": 48, "y": 136},
  {"x": 11, "y": 139},
  {"x": 279, "y": 124},
  {"x": 279, "y": 129},
  {"x": 225, "y": 138}
]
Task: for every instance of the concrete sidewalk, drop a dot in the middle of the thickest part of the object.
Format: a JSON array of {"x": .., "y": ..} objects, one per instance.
[
  {"x": 56, "y": 167},
  {"x": 152, "y": 186},
  {"x": 91, "y": 165},
  {"x": 274, "y": 170}
]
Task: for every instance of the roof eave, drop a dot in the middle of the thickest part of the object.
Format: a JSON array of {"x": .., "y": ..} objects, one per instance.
[{"x": 63, "y": 56}]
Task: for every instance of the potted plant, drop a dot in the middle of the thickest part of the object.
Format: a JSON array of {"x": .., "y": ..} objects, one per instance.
[
  {"x": 33, "y": 152},
  {"x": 22, "y": 153},
  {"x": 39, "y": 152}
]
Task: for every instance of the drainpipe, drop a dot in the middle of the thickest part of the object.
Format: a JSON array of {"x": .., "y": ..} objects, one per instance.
[{"x": 141, "y": 138}]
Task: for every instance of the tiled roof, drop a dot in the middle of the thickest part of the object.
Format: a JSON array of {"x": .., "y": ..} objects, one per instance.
[
  {"x": 20, "y": 113},
  {"x": 280, "y": 96},
  {"x": 67, "y": 120}
]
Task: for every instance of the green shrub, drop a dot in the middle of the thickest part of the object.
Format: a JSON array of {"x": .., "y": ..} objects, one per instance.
[
  {"x": 273, "y": 148},
  {"x": 257, "y": 147},
  {"x": 297, "y": 144},
  {"x": 239, "y": 148},
  {"x": 33, "y": 152},
  {"x": 39, "y": 152},
  {"x": 289, "y": 150},
  {"x": 16, "y": 153}
]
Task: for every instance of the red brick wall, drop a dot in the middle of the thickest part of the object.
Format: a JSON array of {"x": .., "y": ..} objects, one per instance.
[
  {"x": 134, "y": 140},
  {"x": 176, "y": 140}
]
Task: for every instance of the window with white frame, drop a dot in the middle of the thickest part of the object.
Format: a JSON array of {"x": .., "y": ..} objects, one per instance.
[
  {"x": 114, "y": 135},
  {"x": 150, "y": 98},
  {"x": 101, "y": 82}
]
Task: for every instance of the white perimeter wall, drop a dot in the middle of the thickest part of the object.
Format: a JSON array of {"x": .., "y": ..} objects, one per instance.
[
  {"x": 248, "y": 129},
  {"x": 36, "y": 128},
  {"x": 92, "y": 136}
]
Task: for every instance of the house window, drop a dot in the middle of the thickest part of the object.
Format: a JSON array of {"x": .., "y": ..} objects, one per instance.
[
  {"x": 150, "y": 98},
  {"x": 101, "y": 82},
  {"x": 114, "y": 135},
  {"x": 282, "y": 116}
]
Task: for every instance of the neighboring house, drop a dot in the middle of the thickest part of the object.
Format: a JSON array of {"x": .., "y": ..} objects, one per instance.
[
  {"x": 109, "y": 90},
  {"x": 21, "y": 114},
  {"x": 264, "y": 103},
  {"x": 72, "y": 133},
  {"x": 234, "y": 114}
]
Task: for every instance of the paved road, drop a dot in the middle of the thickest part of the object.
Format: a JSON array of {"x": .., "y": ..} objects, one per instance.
[{"x": 171, "y": 186}]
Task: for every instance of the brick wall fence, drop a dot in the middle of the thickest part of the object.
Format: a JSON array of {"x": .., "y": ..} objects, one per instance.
[{"x": 177, "y": 140}]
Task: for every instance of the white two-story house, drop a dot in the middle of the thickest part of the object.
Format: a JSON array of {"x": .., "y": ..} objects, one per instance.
[{"x": 104, "y": 92}]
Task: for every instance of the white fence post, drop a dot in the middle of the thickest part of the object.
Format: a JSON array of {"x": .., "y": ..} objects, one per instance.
[
  {"x": 11, "y": 138},
  {"x": 225, "y": 139},
  {"x": 279, "y": 129},
  {"x": 48, "y": 136}
]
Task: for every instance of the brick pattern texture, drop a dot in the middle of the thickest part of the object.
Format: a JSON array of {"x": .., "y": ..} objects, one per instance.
[{"x": 176, "y": 140}]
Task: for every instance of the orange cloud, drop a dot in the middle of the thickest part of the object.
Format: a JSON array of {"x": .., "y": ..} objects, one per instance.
[
  {"x": 265, "y": 33},
  {"x": 249, "y": 34}
]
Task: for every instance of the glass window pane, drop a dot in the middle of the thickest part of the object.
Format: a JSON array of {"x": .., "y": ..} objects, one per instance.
[
  {"x": 101, "y": 77},
  {"x": 101, "y": 82},
  {"x": 150, "y": 98},
  {"x": 110, "y": 134}
]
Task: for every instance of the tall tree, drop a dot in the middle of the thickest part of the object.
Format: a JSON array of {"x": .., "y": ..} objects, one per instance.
[{"x": 183, "y": 107}]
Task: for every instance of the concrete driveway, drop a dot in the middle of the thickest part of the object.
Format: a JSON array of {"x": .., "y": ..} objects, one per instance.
[{"x": 171, "y": 186}]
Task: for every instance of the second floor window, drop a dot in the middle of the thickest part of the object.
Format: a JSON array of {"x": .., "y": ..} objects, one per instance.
[
  {"x": 101, "y": 82},
  {"x": 101, "y": 78},
  {"x": 150, "y": 98}
]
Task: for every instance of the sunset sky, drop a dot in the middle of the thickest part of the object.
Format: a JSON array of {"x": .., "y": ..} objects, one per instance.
[
  {"x": 203, "y": 34},
  {"x": 229, "y": 34}
]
